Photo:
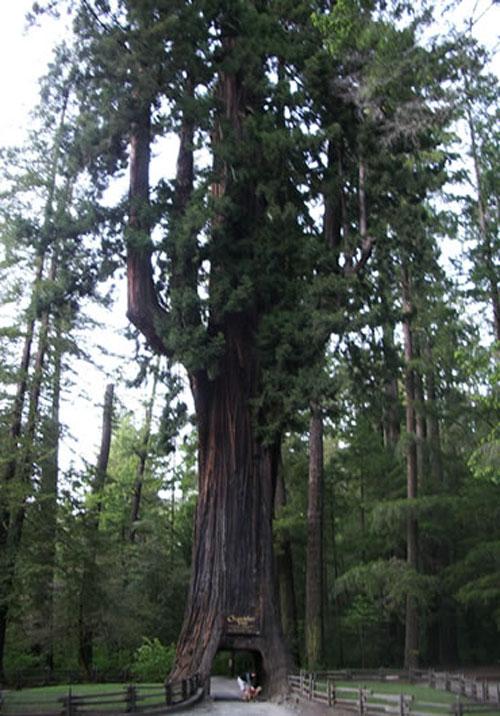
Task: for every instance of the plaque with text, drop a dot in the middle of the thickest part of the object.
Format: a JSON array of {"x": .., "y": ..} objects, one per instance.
[{"x": 242, "y": 624}]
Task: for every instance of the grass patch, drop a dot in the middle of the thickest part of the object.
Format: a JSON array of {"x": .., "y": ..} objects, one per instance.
[{"x": 421, "y": 694}]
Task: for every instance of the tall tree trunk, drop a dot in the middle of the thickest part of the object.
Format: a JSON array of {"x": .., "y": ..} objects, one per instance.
[
  {"x": 484, "y": 231},
  {"x": 412, "y": 624},
  {"x": 89, "y": 591},
  {"x": 284, "y": 568},
  {"x": 432, "y": 420},
  {"x": 391, "y": 417},
  {"x": 444, "y": 636},
  {"x": 314, "y": 557},
  {"x": 11, "y": 514},
  {"x": 143, "y": 456},
  {"x": 335, "y": 558},
  {"x": 233, "y": 601},
  {"x": 420, "y": 422},
  {"x": 19, "y": 470},
  {"x": 46, "y": 514},
  {"x": 9, "y": 469}
]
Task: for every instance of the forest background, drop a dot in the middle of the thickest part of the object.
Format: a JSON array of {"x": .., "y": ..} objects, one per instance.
[{"x": 389, "y": 459}]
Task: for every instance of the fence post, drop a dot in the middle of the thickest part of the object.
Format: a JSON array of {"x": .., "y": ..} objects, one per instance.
[
  {"x": 184, "y": 689},
  {"x": 168, "y": 693},
  {"x": 311, "y": 686},
  {"x": 459, "y": 709},
  {"x": 486, "y": 692},
  {"x": 68, "y": 711},
  {"x": 330, "y": 690},
  {"x": 131, "y": 699},
  {"x": 401, "y": 705},
  {"x": 361, "y": 705}
]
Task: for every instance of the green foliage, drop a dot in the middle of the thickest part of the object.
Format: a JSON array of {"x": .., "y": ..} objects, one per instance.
[
  {"x": 20, "y": 661},
  {"x": 361, "y": 613},
  {"x": 152, "y": 661},
  {"x": 388, "y": 583},
  {"x": 327, "y": 93}
]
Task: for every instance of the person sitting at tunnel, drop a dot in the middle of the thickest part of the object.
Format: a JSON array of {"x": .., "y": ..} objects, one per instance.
[{"x": 248, "y": 686}]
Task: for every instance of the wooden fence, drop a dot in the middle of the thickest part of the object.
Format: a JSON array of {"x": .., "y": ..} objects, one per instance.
[
  {"x": 146, "y": 700},
  {"x": 365, "y": 702},
  {"x": 481, "y": 690}
]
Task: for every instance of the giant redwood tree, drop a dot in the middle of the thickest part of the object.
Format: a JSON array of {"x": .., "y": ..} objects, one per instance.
[
  {"x": 223, "y": 292},
  {"x": 228, "y": 271}
]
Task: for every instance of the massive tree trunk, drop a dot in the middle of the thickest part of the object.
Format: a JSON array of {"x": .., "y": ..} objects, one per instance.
[
  {"x": 412, "y": 622},
  {"x": 233, "y": 601},
  {"x": 314, "y": 558}
]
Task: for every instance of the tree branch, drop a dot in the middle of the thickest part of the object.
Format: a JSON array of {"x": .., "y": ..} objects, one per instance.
[
  {"x": 367, "y": 242},
  {"x": 144, "y": 310}
]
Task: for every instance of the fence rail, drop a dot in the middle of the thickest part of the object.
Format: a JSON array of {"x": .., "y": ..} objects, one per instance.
[
  {"x": 146, "y": 700},
  {"x": 322, "y": 687},
  {"x": 472, "y": 687}
]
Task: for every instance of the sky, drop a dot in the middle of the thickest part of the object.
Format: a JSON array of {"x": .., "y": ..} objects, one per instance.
[{"x": 24, "y": 55}]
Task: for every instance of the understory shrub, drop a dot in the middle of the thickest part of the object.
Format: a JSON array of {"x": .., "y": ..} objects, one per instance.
[{"x": 152, "y": 660}]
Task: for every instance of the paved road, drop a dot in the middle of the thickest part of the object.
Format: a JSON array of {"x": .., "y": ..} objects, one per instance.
[{"x": 225, "y": 701}]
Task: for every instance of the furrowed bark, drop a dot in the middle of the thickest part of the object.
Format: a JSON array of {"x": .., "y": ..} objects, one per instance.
[{"x": 232, "y": 602}]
